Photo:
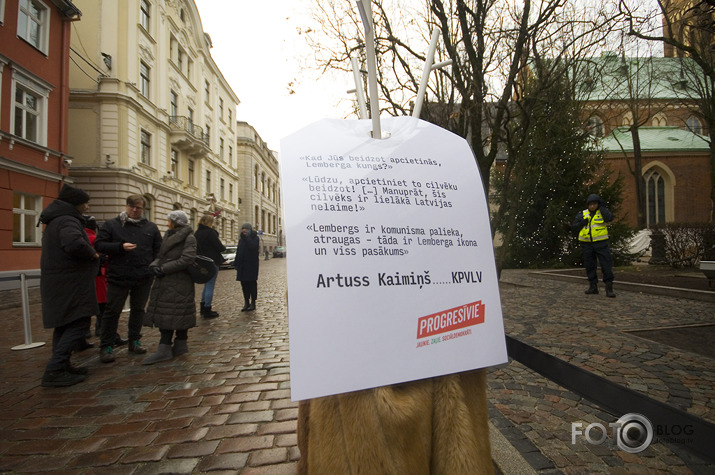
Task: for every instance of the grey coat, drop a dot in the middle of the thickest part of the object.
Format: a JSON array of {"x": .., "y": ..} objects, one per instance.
[{"x": 171, "y": 301}]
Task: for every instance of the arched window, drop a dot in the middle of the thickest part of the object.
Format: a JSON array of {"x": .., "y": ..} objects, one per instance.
[
  {"x": 694, "y": 125},
  {"x": 627, "y": 119},
  {"x": 655, "y": 197},
  {"x": 595, "y": 126},
  {"x": 660, "y": 120}
]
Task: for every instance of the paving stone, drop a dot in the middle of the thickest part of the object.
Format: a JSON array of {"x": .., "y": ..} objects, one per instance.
[
  {"x": 101, "y": 458},
  {"x": 193, "y": 449},
  {"x": 246, "y": 444},
  {"x": 268, "y": 456},
  {"x": 231, "y": 462}
]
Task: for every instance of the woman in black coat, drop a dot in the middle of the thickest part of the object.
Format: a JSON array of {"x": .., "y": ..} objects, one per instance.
[
  {"x": 171, "y": 305},
  {"x": 209, "y": 245},
  {"x": 246, "y": 265},
  {"x": 68, "y": 266}
]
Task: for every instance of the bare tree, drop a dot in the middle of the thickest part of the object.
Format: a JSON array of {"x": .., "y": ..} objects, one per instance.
[
  {"x": 687, "y": 31},
  {"x": 491, "y": 44}
]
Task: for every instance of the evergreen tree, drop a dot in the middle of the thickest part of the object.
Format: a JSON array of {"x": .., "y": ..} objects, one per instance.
[{"x": 554, "y": 167}]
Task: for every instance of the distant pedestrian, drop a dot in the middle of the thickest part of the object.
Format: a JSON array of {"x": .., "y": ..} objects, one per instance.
[
  {"x": 68, "y": 265},
  {"x": 246, "y": 265},
  {"x": 131, "y": 241},
  {"x": 593, "y": 235},
  {"x": 209, "y": 245},
  {"x": 171, "y": 305}
]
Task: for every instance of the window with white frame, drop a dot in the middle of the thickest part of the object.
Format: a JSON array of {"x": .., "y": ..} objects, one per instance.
[
  {"x": 26, "y": 210},
  {"x": 220, "y": 108},
  {"x": 30, "y": 109},
  {"x": 230, "y": 192},
  {"x": 220, "y": 149},
  {"x": 230, "y": 155},
  {"x": 207, "y": 92},
  {"x": 222, "y": 189},
  {"x": 655, "y": 197},
  {"x": 174, "y": 105},
  {"x": 174, "y": 163},
  {"x": 145, "y": 14},
  {"x": 230, "y": 118},
  {"x": 33, "y": 23},
  {"x": 2, "y": 12},
  {"x": 595, "y": 126},
  {"x": 144, "y": 79},
  {"x": 208, "y": 181},
  {"x": 192, "y": 175},
  {"x": 694, "y": 125},
  {"x": 145, "y": 142}
]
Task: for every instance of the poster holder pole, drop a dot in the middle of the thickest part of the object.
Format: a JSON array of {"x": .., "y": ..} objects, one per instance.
[
  {"x": 365, "y": 8},
  {"x": 425, "y": 74},
  {"x": 359, "y": 90}
]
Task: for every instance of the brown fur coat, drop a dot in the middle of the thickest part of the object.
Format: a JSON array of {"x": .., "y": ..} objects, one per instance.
[{"x": 433, "y": 426}]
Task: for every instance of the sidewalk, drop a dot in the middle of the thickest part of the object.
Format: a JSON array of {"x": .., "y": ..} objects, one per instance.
[{"x": 226, "y": 405}]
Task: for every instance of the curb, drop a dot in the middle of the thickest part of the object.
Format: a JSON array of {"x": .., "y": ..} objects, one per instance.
[{"x": 700, "y": 295}]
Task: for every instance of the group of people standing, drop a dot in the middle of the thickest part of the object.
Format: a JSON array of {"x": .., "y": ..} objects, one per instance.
[{"x": 127, "y": 258}]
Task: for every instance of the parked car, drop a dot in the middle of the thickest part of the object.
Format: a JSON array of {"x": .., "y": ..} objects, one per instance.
[
  {"x": 279, "y": 251},
  {"x": 229, "y": 255}
]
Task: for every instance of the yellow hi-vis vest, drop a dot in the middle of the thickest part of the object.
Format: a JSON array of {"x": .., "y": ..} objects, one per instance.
[{"x": 595, "y": 230}]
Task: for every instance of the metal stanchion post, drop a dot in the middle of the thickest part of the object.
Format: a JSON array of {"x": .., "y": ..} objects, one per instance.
[{"x": 26, "y": 317}]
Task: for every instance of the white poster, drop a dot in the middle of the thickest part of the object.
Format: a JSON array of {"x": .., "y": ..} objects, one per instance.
[{"x": 391, "y": 274}]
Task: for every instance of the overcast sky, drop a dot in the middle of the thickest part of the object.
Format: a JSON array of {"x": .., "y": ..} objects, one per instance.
[{"x": 258, "y": 48}]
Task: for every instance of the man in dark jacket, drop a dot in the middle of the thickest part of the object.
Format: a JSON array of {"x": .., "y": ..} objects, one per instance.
[
  {"x": 209, "y": 245},
  {"x": 593, "y": 235},
  {"x": 246, "y": 265},
  {"x": 131, "y": 241},
  {"x": 68, "y": 266}
]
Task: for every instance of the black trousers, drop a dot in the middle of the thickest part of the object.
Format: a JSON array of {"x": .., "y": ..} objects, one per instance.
[
  {"x": 167, "y": 335},
  {"x": 250, "y": 290},
  {"x": 116, "y": 296},
  {"x": 64, "y": 340},
  {"x": 601, "y": 252}
]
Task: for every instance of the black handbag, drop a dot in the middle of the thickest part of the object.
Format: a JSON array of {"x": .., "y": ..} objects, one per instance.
[{"x": 202, "y": 269}]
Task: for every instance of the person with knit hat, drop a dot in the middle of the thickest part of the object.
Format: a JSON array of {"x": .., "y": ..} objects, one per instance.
[
  {"x": 209, "y": 245},
  {"x": 172, "y": 308},
  {"x": 131, "y": 241},
  {"x": 68, "y": 265},
  {"x": 246, "y": 264}
]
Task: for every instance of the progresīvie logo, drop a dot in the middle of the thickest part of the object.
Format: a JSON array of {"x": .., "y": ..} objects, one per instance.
[{"x": 632, "y": 433}]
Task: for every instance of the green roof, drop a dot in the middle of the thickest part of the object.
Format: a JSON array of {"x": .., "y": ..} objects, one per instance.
[
  {"x": 608, "y": 77},
  {"x": 655, "y": 139}
]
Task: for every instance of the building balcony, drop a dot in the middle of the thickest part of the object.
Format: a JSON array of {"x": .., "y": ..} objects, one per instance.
[{"x": 188, "y": 137}]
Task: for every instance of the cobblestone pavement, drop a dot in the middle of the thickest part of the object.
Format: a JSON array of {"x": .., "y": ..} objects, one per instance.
[
  {"x": 225, "y": 406},
  {"x": 591, "y": 332}
]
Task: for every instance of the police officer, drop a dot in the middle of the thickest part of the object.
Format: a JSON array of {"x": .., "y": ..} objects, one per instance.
[{"x": 593, "y": 236}]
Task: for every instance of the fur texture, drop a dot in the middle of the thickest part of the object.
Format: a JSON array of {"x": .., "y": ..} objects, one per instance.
[{"x": 433, "y": 426}]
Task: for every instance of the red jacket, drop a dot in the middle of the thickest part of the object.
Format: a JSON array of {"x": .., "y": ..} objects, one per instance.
[{"x": 100, "y": 281}]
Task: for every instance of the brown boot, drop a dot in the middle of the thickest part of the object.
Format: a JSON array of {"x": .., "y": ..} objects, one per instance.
[
  {"x": 135, "y": 346},
  {"x": 106, "y": 355}
]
